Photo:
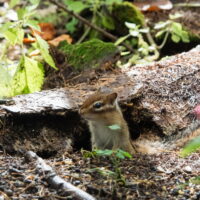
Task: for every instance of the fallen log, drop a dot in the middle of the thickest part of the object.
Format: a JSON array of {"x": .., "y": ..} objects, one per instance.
[
  {"x": 54, "y": 180},
  {"x": 157, "y": 97}
]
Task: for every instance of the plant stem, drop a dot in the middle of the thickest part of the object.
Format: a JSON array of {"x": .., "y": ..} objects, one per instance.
[
  {"x": 84, "y": 35},
  {"x": 164, "y": 41},
  {"x": 149, "y": 37}
]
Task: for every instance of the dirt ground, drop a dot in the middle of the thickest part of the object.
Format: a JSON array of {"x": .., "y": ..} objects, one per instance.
[{"x": 162, "y": 176}]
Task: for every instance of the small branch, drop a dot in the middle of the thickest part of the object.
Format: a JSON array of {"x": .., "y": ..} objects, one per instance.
[
  {"x": 77, "y": 16},
  {"x": 187, "y": 5},
  {"x": 56, "y": 181},
  {"x": 150, "y": 39}
]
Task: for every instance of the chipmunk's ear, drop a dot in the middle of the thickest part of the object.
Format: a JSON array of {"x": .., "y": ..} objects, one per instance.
[{"x": 112, "y": 98}]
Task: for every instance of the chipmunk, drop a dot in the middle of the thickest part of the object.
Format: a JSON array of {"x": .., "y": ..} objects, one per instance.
[{"x": 102, "y": 111}]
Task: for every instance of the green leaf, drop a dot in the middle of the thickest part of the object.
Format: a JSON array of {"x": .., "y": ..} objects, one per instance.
[
  {"x": 71, "y": 26},
  {"x": 11, "y": 36},
  {"x": 5, "y": 27},
  {"x": 5, "y": 76},
  {"x": 126, "y": 154},
  {"x": 7, "y": 72},
  {"x": 110, "y": 2},
  {"x": 193, "y": 146},
  {"x": 122, "y": 154},
  {"x": 19, "y": 80},
  {"x": 144, "y": 30},
  {"x": 29, "y": 77},
  {"x": 88, "y": 154},
  {"x": 121, "y": 39},
  {"x": 185, "y": 37},
  {"x": 33, "y": 24},
  {"x": 175, "y": 38},
  {"x": 21, "y": 13},
  {"x": 20, "y": 36},
  {"x": 107, "y": 22},
  {"x": 134, "y": 33},
  {"x": 130, "y": 25},
  {"x": 195, "y": 180},
  {"x": 176, "y": 28},
  {"x": 76, "y": 6},
  {"x": 13, "y": 3},
  {"x": 160, "y": 33},
  {"x": 106, "y": 152},
  {"x": 34, "y": 5},
  {"x": 125, "y": 53},
  {"x": 44, "y": 49},
  {"x": 114, "y": 127},
  {"x": 34, "y": 2},
  {"x": 14, "y": 35},
  {"x": 119, "y": 155},
  {"x": 34, "y": 74},
  {"x": 161, "y": 25},
  {"x": 175, "y": 16}
]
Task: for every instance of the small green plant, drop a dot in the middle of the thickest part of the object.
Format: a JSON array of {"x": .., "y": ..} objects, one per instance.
[
  {"x": 145, "y": 51},
  {"x": 170, "y": 27},
  {"x": 195, "y": 180},
  {"x": 193, "y": 146},
  {"x": 100, "y": 10},
  {"x": 27, "y": 74},
  {"x": 115, "y": 156},
  {"x": 148, "y": 50}
]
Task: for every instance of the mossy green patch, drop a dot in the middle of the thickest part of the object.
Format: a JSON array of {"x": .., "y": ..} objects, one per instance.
[
  {"x": 90, "y": 54},
  {"x": 126, "y": 12}
]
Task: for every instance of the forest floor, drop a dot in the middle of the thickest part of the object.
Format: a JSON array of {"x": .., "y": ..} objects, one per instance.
[{"x": 161, "y": 176}]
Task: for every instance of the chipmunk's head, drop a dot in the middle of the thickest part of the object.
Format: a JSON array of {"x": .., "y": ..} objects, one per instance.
[{"x": 96, "y": 105}]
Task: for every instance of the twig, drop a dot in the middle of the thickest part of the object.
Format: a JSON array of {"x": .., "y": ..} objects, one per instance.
[
  {"x": 77, "y": 16},
  {"x": 56, "y": 181},
  {"x": 112, "y": 37},
  {"x": 187, "y": 5}
]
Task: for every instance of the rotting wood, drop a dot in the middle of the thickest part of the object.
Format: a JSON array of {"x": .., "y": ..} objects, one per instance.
[
  {"x": 168, "y": 90},
  {"x": 54, "y": 180}
]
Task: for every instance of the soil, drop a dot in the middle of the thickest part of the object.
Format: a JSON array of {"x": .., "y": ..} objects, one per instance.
[{"x": 162, "y": 176}]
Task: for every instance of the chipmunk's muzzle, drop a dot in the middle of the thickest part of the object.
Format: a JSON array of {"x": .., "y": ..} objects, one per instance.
[{"x": 88, "y": 116}]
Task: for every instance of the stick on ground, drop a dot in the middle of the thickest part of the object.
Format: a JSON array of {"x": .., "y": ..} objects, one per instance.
[{"x": 56, "y": 181}]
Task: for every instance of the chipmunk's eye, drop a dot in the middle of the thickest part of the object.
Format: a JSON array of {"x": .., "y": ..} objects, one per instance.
[{"x": 98, "y": 105}]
